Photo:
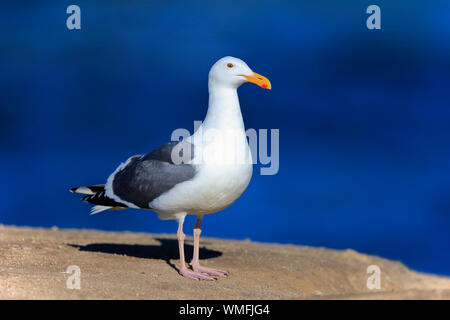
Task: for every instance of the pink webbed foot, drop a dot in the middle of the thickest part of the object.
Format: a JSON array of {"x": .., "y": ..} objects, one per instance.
[
  {"x": 209, "y": 271},
  {"x": 195, "y": 275}
]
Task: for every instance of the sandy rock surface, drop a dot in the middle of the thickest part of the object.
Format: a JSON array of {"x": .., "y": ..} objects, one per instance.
[{"x": 129, "y": 265}]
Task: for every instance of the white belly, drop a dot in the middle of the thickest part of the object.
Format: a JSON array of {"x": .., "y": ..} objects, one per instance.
[
  {"x": 224, "y": 169},
  {"x": 210, "y": 191}
]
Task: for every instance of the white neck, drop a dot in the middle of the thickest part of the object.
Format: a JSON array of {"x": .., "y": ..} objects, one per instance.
[
  {"x": 224, "y": 111},
  {"x": 223, "y": 130}
]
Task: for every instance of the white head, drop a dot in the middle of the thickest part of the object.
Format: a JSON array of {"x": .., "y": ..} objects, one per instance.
[{"x": 232, "y": 72}]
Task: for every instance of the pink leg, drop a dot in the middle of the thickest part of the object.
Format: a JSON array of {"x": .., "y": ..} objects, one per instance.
[
  {"x": 195, "y": 263},
  {"x": 183, "y": 270}
]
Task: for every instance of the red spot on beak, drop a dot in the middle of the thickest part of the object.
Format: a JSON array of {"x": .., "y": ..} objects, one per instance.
[{"x": 264, "y": 86}]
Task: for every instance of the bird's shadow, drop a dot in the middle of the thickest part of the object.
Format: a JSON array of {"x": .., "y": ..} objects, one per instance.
[{"x": 167, "y": 250}]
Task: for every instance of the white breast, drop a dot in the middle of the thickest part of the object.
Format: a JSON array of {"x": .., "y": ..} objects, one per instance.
[{"x": 216, "y": 185}]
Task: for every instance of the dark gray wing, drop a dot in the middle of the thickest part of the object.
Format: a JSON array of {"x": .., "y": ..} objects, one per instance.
[
  {"x": 172, "y": 152},
  {"x": 147, "y": 177}
]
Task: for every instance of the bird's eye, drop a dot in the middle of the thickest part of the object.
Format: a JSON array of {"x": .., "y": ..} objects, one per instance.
[{"x": 230, "y": 65}]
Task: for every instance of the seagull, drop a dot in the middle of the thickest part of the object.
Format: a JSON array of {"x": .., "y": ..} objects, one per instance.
[{"x": 201, "y": 174}]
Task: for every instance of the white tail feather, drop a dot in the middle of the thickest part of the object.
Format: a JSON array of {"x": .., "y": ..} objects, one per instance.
[
  {"x": 82, "y": 190},
  {"x": 98, "y": 208}
]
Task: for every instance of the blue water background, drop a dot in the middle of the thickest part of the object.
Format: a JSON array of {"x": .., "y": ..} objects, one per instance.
[{"x": 364, "y": 116}]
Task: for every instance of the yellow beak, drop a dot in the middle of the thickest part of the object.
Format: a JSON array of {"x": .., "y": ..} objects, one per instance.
[{"x": 258, "y": 79}]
